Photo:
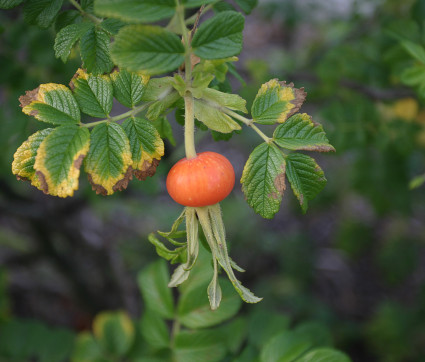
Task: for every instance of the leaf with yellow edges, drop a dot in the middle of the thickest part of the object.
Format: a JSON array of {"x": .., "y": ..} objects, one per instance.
[
  {"x": 108, "y": 163},
  {"x": 51, "y": 103},
  {"x": 129, "y": 87},
  {"x": 146, "y": 145},
  {"x": 93, "y": 93},
  {"x": 276, "y": 102},
  {"x": 58, "y": 160},
  {"x": 24, "y": 157}
]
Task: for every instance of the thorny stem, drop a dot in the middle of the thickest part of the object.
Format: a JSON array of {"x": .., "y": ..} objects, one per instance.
[
  {"x": 249, "y": 123},
  {"x": 189, "y": 125},
  {"x": 119, "y": 117},
  {"x": 93, "y": 18}
]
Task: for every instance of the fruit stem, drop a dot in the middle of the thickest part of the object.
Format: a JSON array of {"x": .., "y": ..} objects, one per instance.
[{"x": 189, "y": 124}]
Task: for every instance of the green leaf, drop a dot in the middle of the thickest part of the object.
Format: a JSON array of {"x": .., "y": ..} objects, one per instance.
[
  {"x": 86, "y": 349},
  {"x": 147, "y": 49},
  {"x": 94, "y": 48},
  {"x": 209, "y": 109},
  {"x": 9, "y": 4},
  {"x": 164, "y": 129},
  {"x": 285, "y": 347},
  {"x": 196, "y": 3},
  {"x": 305, "y": 176},
  {"x": 276, "y": 102},
  {"x": 324, "y": 354},
  {"x": 171, "y": 255},
  {"x": 129, "y": 87},
  {"x": 114, "y": 332},
  {"x": 136, "y": 11},
  {"x": 158, "y": 108},
  {"x": 146, "y": 146},
  {"x": 247, "y": 5},
  {"x": 413, "y": 76},
  {"x": 263, "y": 180},
  {"x": 153, "y": 282},
  {"x": 109, "y": 159},
  {"x": 93, "y": 93},
  {"x": 66, "y": 18},
  {"x": 154, "y": 330},
  {"x": 41, "y": 12},
  {"x": 219, "y": 36},
  {"x": 194, "y": 308},
  {"x": 112, "y": 26},
  {"x": 24, "y": 157},
  {"x": 213, "y": 117},
  {"x": 51, "y": 103},
  {"x": 300, "y": 133},
  {"x": 59, "y": 159},
  {"x": 415, "y": 50},
  {"x": 264, "y": 325},
  {"x": 67, "y": 37},
  {"x": 199, "y": 346},
  {"x": 315, "y": 332}
]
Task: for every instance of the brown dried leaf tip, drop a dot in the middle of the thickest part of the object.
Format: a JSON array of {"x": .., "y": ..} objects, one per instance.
[{"x": 148, "y": 170}]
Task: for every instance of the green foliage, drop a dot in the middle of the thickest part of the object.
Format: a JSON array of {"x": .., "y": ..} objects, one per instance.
[
  {"x": 41, "y": 12},
  {"x": 220, "y": 36},
  {"x": 67, "y": 37},
  {"x": 305, "y": 176},
  {"x": 135, "y": 11},
  {"x": 147, "y": 49},
  {"x": 94, "y": 47}
]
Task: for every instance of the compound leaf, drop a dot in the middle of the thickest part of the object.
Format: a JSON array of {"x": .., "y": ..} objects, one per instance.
[
  {"x": 67, "y": 37},
  {"x": 147, "y": 49},
  {"x": 300, "y": 133},
  {"x": 146, "y": 146},
  {"x": 24, "y": 157},
  {"x": 305, "y": 176},
  {"x": 41, "y": 12},
  {"x": 94, "y": 48},
  {"x": 109, "y": 159},
  {"x": 51, "y": 103},
  {"x": 129, "y": 87},
  {"x": 94, "y": 93},
  {"x": 220, "y": 36},
  {"x": 263, "y": 180},
  {"x": 276, "y": 102},
  {"x": 136, "y": 11},
  {"x": 59, "y": 158}
]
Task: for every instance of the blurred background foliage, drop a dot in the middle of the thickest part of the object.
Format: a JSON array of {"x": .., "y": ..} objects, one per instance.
[{"x": 354, "y": 263}]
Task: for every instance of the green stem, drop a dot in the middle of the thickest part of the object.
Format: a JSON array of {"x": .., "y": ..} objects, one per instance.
[
  {"x": 130, "y": 113},
  {"x": 189, "y": 124},
  {"x": 93, "y": 18},
  {"x": 249, "y": 123}
]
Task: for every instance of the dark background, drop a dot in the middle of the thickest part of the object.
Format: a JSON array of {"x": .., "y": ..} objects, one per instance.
[{"x": 355, "y": 261}]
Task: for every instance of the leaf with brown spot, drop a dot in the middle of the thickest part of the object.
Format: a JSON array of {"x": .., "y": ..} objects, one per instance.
[
  {"x": 263, "y": 179},
  {"x": 24, "y": 157},
  {"x": 59, "y": 158},
  {"x": 276, "y": 102},
  {"x": 51, "y": 103},
  {"x": 109, "y": 159},
  {"x": 146, "y": 146}
]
